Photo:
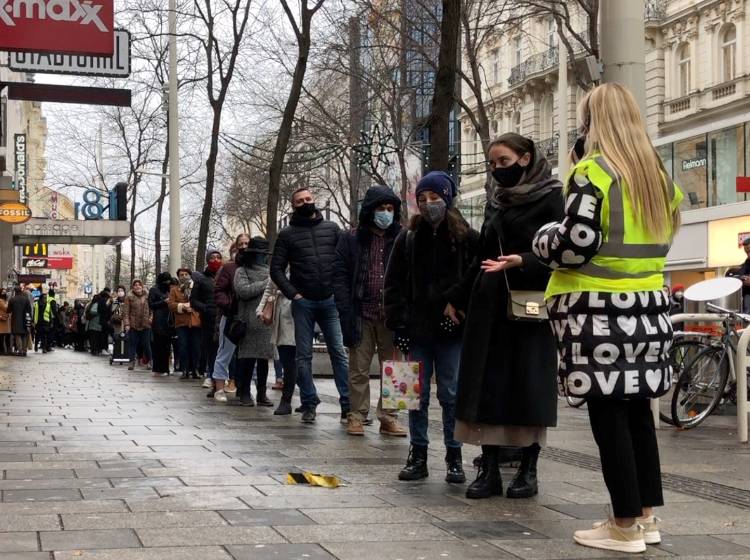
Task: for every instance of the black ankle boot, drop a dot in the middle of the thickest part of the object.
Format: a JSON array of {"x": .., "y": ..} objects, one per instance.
[
  {"x": 454, "y": 464},
  {"x": 284, "y": 408},
  {"x": 416, "y": 464},
  {"x": 489, "y": 481},
  {"x": 525, "y": 485},
  {"x": 262, "y": 399}
]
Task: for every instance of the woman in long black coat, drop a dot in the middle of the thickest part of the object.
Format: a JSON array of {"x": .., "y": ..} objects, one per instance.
[{"x": 507, "y": 387}]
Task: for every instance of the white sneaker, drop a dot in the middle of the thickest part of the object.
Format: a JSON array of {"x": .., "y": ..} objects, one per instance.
[
  {"x": 208, "y": 383},
  {"x": 651, "y": 534},
  {"x": 609, "y": 536},
  {"x": 220, "y": 396}
]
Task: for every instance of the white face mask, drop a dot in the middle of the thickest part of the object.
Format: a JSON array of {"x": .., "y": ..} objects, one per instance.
[{"x": 120, "y": 294}]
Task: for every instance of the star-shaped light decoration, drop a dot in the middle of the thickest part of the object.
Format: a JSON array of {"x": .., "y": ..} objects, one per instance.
[{"x": 375, "y": 148}]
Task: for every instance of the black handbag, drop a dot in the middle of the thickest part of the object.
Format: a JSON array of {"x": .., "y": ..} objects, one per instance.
[{"x": 235, "y": 330}]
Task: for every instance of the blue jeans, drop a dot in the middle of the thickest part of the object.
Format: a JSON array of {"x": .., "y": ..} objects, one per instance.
[
  {"x": 139, "y": 340},
  {"x": 442, "y": 358},
  {"x": 306, "y": 313},
  {"x": 190, "y": 348},
  {"x": 224, "y": 354}
]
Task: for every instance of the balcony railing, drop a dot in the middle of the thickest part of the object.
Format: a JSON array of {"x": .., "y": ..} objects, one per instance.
[
  {"x": 534, "y": 64},
  {"x": 656, "y": 10},
  {"x": 680, "y": 105},
  {"x": 549, "y": 146},
  {"x": 724, "y": 90}
]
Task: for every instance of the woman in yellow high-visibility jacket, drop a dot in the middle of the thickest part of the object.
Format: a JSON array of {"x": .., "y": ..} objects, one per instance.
[{"x": 607, "y": 307}]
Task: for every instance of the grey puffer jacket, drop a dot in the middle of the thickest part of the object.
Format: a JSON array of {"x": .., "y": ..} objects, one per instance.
[{"x": 249, "y": 285}]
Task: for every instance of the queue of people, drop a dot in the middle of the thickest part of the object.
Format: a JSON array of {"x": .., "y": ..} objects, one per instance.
[{"x": 564, "y": 282}]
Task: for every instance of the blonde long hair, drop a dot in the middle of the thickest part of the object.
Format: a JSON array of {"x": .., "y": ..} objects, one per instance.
[{"x": 616, "y": 130}]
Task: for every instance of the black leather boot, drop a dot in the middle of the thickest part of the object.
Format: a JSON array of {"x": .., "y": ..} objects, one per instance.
[
  {"x": 416, "y": 464},
  {"x": 262, "y": 399},
  {"x": 455, "y": 466},
  {"x": 524, "y": 484},
  {"x": 489, "y": 481},
  {"x": 284, "y": 408}
]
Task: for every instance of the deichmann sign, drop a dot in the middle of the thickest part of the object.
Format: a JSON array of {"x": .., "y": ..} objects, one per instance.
[
  {"x": 115, "y": 66},
  {"x": 65, "y": 26},
  {"x": 14, "y": 213},
  {"x": 688, "y": 164},
  {"x": 20, "y": 170}
]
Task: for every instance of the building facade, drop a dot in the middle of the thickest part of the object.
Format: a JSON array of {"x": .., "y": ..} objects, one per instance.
[{"x": 698, "y": 116}]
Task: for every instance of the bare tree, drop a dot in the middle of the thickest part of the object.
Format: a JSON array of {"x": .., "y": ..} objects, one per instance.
[
  {"x": 302, "y": 32},
  {"x": 221, "y": 59}
]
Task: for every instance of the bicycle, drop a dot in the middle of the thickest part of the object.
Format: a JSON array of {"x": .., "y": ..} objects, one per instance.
[{"x": 705, "y": 380}]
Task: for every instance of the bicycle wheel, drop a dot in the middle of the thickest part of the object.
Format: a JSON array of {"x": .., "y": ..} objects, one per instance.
[
  {"x": 700, "y": 387},
  {"x": 681, "y": 352}
]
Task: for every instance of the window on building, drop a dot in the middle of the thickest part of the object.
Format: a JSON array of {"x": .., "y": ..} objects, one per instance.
[
  {"x": 726, "y": 161},
  {"x": 683, "y": 69},
  {"x": 546, "y": 117},
  {"x": 517, "y": 50},
  {"x": 476, "y": 153},
  {"x": 495, "y": 66},
  {"x": 3, "y": 121},
  {"x": 690, "y": 163},
  {"x": 728, "y": 53},
  {"x": 517, "y": 122},
  {"x": 551, "y": 33},
  {"x": 495, "y": 128}
]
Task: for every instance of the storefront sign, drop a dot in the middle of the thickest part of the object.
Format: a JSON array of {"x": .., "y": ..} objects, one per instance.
[
  {"x": 63, "y": 26},
  {"x": 35, "y": 250},
  {"x": 60, "y": 262},
  {"x": 116, "y": 65},
  {"x": 20, "y": 169},
  {"x": 743, "y": 184},
  {"x": 14, "y": 213},
  {"x": 35, "y": 263},
  {"x": 688, "y": 164}
]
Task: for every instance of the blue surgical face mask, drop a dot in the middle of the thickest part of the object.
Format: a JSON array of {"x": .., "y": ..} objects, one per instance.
[{"x": 383, "y": 219}]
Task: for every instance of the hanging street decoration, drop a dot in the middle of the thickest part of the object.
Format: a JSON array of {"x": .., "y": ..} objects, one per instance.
[{"x": 375, "y": 148}]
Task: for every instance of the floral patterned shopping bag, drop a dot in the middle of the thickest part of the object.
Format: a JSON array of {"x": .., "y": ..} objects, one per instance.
[{"x": 401, "y": 385}]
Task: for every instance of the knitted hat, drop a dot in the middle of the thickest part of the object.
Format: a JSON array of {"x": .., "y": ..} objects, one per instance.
[
  {"x": 212, "y": 251},
  {"x": 258, "y": 244},
  {"x": 678, "y": 288},
  {"x": 441, "y": 184}
]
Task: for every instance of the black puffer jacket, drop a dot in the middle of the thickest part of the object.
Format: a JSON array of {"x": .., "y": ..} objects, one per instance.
[
  {"x": 202, "y": 296},
  {"x": 352, "y": 261},
  {"x": 308, "y": 247},
  {"x": 419, "y": 280},
  {"x": 157, "y": 302}
]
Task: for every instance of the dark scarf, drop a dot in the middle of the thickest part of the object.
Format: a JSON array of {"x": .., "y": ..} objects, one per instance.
[{"x": 536, "y": 182}]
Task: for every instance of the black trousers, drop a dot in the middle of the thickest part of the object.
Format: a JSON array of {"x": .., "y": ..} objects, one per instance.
[
  {"x": 209, "y": 346},
  {"x": 160, "y": 352},
  {"x": 244, "y": 376},
  {"x": 287, "y": 357},
  {"x": 624, "y": 431}
]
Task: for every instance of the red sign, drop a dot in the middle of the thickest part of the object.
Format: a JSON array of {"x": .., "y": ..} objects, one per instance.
[
  {"x": 61, "y": 26},
  {"x": 52, "y": 93},
  {"x": 61, "y": 262},
  {"x": 743, "y": 184}
]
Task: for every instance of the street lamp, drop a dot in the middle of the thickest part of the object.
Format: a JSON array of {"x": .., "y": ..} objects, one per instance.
[{"x": 175, "y": 234}]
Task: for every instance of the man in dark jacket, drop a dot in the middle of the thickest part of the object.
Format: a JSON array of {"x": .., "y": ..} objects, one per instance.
[
  {"x": 359, "y": 271},
  {"x": 308, "y": 247},
  {"x": 204, "y": 303},
  {"x": 19, "y": 310}
]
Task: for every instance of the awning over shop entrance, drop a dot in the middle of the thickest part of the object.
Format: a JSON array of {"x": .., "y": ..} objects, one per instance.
[{"x": 71, "y": 232}]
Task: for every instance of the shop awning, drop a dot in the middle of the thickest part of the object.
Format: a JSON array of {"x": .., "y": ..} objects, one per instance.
[{"x": 71, "y": 232}]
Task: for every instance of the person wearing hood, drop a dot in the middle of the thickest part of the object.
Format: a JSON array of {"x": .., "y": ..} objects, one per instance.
[
  {"x": 359, "y": 272},
  {"x": 187, "y": 322},
  {"x": 308, "y": 248},
  {"x": 162, "y": 331},
  {"x": 136, "y": 320},
  {"x": 255, "y": 348},
  {"x": 507, "y": 386},
  {"x": 203, "y": 302},
  {"x": 428, "y": 261}
]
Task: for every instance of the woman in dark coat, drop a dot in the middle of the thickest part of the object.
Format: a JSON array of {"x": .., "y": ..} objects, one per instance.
[
  {"x": 19, "y": 310},
  {"x": 507, "y": 388},
  {"x": 161, "y": 330}
]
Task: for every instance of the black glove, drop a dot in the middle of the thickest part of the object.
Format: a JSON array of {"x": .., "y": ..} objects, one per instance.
[{"x": 402, "y": 341}]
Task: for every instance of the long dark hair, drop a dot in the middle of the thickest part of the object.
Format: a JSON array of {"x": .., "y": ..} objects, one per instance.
[
  {"x": 458, "y": 227},
  {"x": 519, "y": 144}
]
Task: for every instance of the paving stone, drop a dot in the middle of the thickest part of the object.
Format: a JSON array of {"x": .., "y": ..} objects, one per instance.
[
  {"x": 227, "y": 480},
  {"x": 417, "y": 550},
  {"x": 182, "y": 553},
  {"x": 166, "y": 519},
  {"x": 32, "y": 484},
  {"x": 187, "y": 503},
  {"x": 18, "y": 542},
  {"x": 197, "y": 536},
  {"x": 118, "y": 493},
  {"x": 37, "y": 474},
  {"x": 82, "y": 506},
  {"x": 561, "y": 549},
  {"x": 48, "y": 522},
  {"x": 161, "y": 482},
  {"x": 697, "y": 545},
  {"x": 498, "y": 530},
  {"x": 281, "y": 552},
  {"x": 90, "y": 539},
  {"x": 336, "y": 516},
  {"x": 270, "y": 517},
  {"x": 109, "y": 473},
  {"x": 26, "y": 556},
  {"x": 55, "y": 495},
  {"x": 319, "y": 501},
  {"x": 362, "y": 533}
]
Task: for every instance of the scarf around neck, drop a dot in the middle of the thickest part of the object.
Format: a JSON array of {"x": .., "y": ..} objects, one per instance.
[{"x": 536, "y": 183}]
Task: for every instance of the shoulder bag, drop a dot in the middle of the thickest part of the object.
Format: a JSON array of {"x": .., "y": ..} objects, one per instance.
[{"x": 524, "y": 305}]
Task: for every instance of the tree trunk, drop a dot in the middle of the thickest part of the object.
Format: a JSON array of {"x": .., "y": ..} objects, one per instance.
[
  {"x": 355, "y": 116},
  {"x": 132, "y": 231},
  {"x": 445, "y": 86},
  {"x": 160, "y": 209},
  {"x": 285, "y": 133},
  {"x": 118, "y": 263},
  {"x": 208, "y": 201}
]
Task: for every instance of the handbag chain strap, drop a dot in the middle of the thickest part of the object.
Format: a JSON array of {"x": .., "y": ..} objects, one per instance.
[{"x": 505, "y": 273}]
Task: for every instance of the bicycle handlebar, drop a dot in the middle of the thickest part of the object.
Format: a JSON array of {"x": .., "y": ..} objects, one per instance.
[{"x": 741, "y": 316}]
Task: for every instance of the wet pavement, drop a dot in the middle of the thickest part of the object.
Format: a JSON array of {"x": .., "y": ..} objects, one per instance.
[{"x": 101, "y": 463}]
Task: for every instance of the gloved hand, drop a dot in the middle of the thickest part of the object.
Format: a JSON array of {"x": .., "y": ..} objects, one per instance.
[{"x": 402, "y": 341}]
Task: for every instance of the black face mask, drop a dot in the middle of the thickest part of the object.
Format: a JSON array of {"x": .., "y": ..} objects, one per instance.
[
  {"x": 508, "y": 176},
  {"x": 307, "y": 210},
  {"x": 261, "y": 259}
]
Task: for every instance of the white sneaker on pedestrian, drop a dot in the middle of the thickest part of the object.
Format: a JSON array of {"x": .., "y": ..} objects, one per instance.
[
  {"x": 609, "y": 536},
  {"x": 208, "y": 383},
  {"x": 220, "y": 396},
  {"x": 651, "y": 534}
]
